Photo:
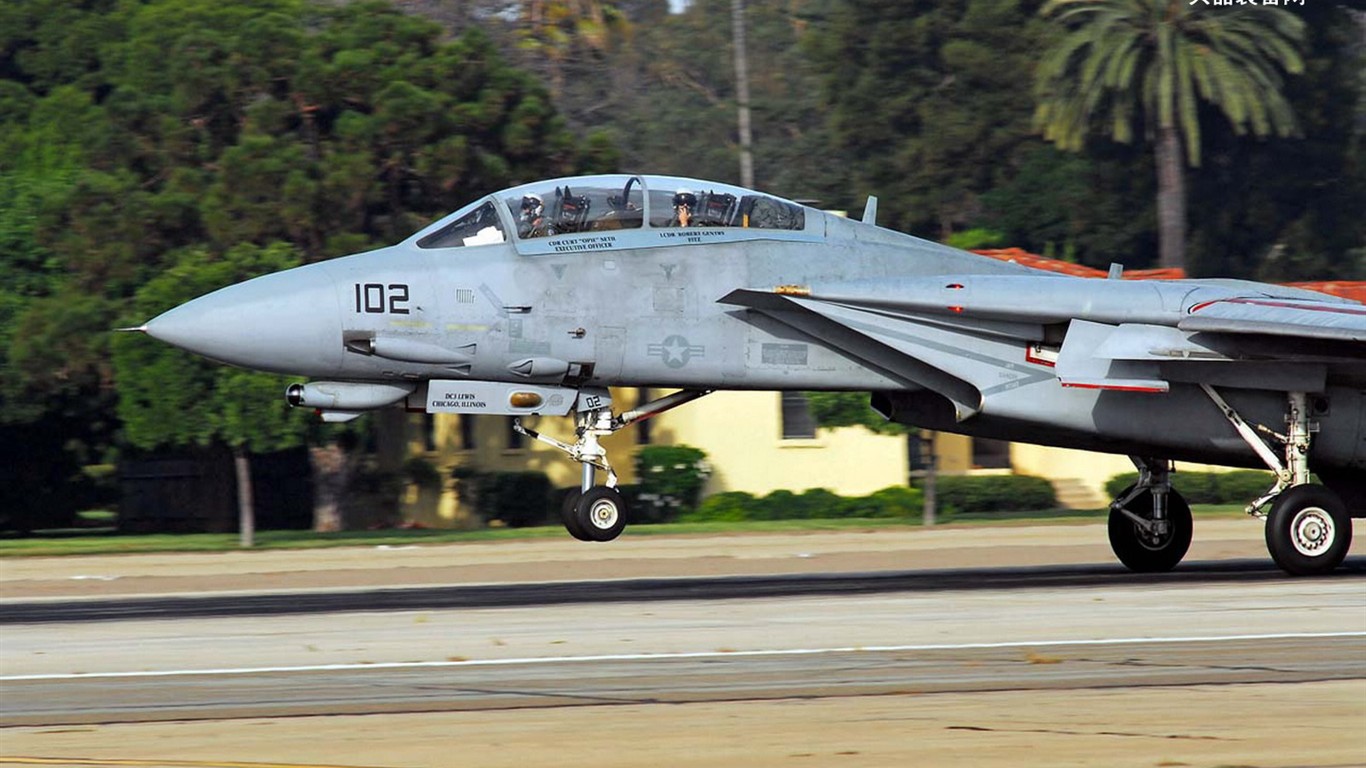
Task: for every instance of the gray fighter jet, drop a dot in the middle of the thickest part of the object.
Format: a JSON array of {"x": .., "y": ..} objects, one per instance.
[{"x": 536, "y": 299}]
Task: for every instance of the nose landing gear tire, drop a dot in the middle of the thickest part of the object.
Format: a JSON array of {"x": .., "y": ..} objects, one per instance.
[
  {"x": 569, "y": 514},
  {"x": 1143, "y": 552},
  {"x": 600, "y": 514},
  {"x": 1308, "y": 531}
]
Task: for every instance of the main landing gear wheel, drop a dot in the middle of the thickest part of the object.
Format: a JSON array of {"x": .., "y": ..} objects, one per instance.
[
  {"x": 600, "y": 514},
  {"x": 1308, "y": 531},
  {"x": 1146, "y": 549}
]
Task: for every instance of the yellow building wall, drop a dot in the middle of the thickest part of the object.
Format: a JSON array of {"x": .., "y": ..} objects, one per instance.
[{"x": 741, "y": 433}]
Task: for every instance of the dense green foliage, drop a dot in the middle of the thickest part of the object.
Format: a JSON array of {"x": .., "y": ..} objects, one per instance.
[
  {"x": 670, "y": 480},
  {"x": 153, "y": 151},
  {"x": 513, "y": 499},
  {"x": 968, "y": 494},
  {"x": 814, "y": 504},
  {"x": 1238, "y": 487},
  {"x": 955, "y": 496}
]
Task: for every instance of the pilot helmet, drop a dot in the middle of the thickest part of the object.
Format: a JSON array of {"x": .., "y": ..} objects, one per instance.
[
  {"x": 531, "y": 205},
  {"x": 684, "y": 197}
]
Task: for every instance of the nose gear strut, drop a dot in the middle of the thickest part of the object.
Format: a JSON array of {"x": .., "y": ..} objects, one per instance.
[{"x": 598, "y": 512}]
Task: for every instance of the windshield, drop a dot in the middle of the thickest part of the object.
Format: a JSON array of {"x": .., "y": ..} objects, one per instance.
[{"x": 478, "y": 227}]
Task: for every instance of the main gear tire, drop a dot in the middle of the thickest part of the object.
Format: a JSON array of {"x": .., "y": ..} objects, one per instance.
[
  {"x": 1308, "y": 531},
  {"x": 1141, "y": 551}
]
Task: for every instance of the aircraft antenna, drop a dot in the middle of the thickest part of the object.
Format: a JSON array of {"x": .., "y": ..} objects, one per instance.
[{"x": 870, "y": 210}]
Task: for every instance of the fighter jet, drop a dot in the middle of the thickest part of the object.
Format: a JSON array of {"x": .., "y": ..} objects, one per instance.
[{"x": 537, "y": 299}]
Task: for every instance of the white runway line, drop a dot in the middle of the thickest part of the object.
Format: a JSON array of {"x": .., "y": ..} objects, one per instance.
[{"x": 678, "y": 656}]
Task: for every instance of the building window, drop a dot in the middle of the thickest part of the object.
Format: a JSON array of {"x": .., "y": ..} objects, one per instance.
[
  {"x": 990, "y": 454},
  {"x": 466, "y": 432},
  {"x": 797, "y": 421},
  {"x": 643, "y": 426},
  {"x": 920, "y": 450},
  {"x": 429, "y": 432}
]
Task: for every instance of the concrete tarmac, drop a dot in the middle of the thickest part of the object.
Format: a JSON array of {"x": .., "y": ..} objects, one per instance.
[{"x": 1270, "y": 672}]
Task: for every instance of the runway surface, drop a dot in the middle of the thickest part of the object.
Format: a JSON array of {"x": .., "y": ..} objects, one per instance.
[{"x": 1223, "y": 664}]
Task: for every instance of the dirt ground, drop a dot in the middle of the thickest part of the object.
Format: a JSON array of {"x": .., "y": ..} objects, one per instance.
[{"x": 1313, "y": 724}]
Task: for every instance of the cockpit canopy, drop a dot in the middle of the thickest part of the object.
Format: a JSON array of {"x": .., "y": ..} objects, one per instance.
[{"x": 611, "y": 204}]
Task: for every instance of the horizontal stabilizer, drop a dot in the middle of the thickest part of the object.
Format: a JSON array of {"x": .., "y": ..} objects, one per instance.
[{"x": 1081, "y": 364}]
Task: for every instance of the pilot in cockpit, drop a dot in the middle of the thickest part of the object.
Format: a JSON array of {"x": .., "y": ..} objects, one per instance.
[
  {"x": 531, "y": 222},
  {"x": 685, "y": 202}
]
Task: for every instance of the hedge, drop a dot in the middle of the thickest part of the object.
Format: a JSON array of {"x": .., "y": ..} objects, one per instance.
[
  {"x": 969, "y": 494},
  {"x": 671, "y": 478},
  {"x": 516, "y": 499},
  {"x": 816, "y": 503},
  {"x": 1238, "y": 487}
]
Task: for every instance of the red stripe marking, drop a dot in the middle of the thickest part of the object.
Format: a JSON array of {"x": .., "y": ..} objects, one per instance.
[
  {"x": 1283, "y": 305},
  {"x": 1112, "y": 387}
]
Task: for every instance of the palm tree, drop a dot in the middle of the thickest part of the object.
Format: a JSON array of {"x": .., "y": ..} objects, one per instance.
[{"x": 1123, "y": 60}]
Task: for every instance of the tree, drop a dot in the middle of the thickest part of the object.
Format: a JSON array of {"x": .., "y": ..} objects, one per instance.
[
  {"x": 1154, "y": 61},
  {"x": 928, "y": 101},
  {"x": 146, "y": 139},
  {"x": 170, "y": 398}
]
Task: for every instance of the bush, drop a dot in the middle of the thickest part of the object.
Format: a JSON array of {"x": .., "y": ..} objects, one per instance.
[
  {"x": 671, "y": 479},
  {"x": 516, "y": 499},
  {"x": 421, "y": 472},
  {"x": 813, "y": 504},
  {"x": 1238, "y": 487},
  {"x": 891, "y": 502},
  {"x": 728, "y": 507},
  {"x": 962, "y": 494}
]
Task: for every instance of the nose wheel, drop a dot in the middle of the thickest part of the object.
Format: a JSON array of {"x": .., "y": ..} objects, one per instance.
[{"x": 600, "y": 513}]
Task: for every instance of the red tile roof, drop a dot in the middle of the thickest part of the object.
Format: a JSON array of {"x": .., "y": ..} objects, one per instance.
[{"x": 1348, "y": 289}]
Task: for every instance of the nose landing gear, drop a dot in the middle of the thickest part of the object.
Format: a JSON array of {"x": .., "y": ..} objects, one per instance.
[{"x": 598, "y": 512}]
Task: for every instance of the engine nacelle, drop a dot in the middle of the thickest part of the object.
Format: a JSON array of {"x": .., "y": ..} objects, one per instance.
[{"x": 350, "y": 396}]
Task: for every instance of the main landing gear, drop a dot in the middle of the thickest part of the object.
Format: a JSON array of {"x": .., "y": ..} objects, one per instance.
[
  {"x": 598, "y": 512},
  {"x": 1308, "y": 530},
  {"x": 1150, "y": 523}
]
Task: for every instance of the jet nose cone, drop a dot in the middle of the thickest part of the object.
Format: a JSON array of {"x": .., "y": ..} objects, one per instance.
[{"x": 289, "y": 322}]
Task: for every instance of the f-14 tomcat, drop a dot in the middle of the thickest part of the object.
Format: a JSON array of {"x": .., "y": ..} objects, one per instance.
[{"x": 536, "y": 299}]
